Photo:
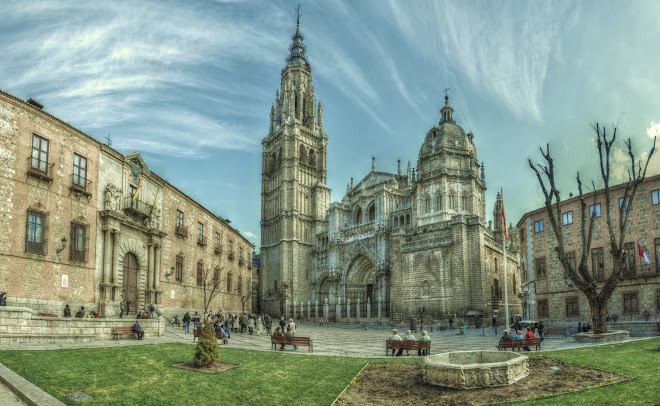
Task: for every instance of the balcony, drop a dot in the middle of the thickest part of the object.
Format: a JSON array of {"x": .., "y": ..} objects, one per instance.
[
  {"x": 40, "y": 169},
  {"x": 181, "y": 231},
  {"x": 80, "y": 185},
  {"x": 201, "y": 240},
  {"x": 217, "y": 250},
  {"x": 137, "y": 208},
  {"x": 241, "y": 262},
  {"x": 231, "y": 256}
]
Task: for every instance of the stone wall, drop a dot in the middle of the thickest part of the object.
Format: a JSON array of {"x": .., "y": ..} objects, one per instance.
[{"x": 21, "y": 321}]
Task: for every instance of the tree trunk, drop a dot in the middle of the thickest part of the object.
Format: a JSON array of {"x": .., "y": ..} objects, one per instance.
[{"x": 599, "y": 325}]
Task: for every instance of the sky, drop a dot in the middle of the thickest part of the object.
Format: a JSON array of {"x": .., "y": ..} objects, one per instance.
[{"x": 189, "y": 85}]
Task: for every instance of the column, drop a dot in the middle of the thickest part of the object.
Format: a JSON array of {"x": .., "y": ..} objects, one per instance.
[
  {"x": 338, "y": 309},
  {"x": 106, "y": 255},
  {"x": 309, "y": 309},
  {"x": 156, "y": 273},
  {"x": 348, "y": 308},
  {"x": 326, "y": 310},
  {"x": 357, "y": 309},
  {"x": 369, "y": 307},
  {"x": 380, "y": 310},
  {"x": 115, "y": 261},
  {"x": 316, "y": 309},
  {"x": 150, "y": 271}
]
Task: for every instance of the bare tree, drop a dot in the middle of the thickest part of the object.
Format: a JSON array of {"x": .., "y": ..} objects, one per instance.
[
  {"x": 597, "y": 294},
  {"x": 210, "y": 286}
]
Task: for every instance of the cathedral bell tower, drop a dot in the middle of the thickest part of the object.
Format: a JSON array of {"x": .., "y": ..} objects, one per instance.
[{"x": 294, "y": 197}]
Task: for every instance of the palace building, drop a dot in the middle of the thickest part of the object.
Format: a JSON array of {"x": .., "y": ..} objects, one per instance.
[
  {"x": 395, "y": 243},
  {"x": 85, "y": 225}
]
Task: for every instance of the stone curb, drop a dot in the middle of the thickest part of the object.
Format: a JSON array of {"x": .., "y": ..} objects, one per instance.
[{"x": 25, "y": 390}]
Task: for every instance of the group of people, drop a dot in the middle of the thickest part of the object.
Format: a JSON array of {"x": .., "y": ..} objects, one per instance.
[
  {"x": 243, "y": 323},
  {"x": 409, "y": 336},
  {"x": 518, "y": 336},
  {"x": 290, "y": 328},
  {"x": 583, "y": 328}
]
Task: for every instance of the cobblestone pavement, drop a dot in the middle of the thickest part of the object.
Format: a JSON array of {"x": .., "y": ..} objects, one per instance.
[{"x": 333, "y": 340}]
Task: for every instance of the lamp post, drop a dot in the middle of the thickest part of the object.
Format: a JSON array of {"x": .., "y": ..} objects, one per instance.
[{"x": 421, "y": 310}]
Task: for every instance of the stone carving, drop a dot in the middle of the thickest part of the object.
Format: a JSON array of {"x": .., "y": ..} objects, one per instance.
[
  {"x": 136, "y": 169},
  {"x": 154, "y": 219},
  {"x": 112, "y": 197}
]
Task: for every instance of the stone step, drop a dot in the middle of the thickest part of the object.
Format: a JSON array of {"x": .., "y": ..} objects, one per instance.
[{"x": 46, "y": 338}]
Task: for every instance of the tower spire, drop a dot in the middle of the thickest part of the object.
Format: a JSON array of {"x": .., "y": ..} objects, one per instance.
[
  {"x": 447, "y": 111},
  {"x": 297, "y": 48}
]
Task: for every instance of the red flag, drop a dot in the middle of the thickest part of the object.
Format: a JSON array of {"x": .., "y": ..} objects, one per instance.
[{"x": 642, "y": 254}]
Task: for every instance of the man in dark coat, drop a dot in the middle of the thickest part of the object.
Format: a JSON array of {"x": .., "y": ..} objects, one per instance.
[{"x": 137, "y": 329}]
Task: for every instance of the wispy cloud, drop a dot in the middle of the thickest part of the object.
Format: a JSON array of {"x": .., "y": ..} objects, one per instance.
[{"x": 505, "y": 56}]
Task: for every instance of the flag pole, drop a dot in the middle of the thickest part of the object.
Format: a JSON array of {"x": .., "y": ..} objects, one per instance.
[{"x": 506, "y": 290}]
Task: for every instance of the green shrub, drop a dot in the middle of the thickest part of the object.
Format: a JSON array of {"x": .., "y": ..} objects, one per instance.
[{"x": 207, "y": 351}]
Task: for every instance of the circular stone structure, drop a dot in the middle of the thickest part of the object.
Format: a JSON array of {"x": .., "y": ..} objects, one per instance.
[{"x": 475, "y": 369}]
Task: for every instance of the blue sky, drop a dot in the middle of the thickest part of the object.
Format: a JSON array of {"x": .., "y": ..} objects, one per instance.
[{"x": 189, "y": 85}]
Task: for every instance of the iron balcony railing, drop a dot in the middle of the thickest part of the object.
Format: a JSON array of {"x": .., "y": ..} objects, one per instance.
[
  {"x": 137, "y": 207},
  {"x": 181, "y": 230}
]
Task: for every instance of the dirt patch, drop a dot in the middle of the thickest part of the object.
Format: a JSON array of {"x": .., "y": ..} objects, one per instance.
[
  {"x": 403, "y": 384},
  {"x": 656, "y": 348},
  {"x": 217, "y": 367}
]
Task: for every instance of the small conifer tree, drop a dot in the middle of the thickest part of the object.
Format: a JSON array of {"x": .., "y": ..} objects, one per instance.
[{"x": 207, "y": 351}]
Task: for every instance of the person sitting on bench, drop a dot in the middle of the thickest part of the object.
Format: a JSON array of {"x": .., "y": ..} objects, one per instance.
[
  {"x": 137, "y": 329},
  {"x": 395, "y": 336}
]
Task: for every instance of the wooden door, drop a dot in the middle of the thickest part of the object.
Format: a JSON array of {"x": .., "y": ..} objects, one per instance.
[{"x": 129, "y": 289}]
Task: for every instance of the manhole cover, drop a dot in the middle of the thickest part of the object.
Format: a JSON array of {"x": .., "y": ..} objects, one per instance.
[{"x": 78, "y": 396}]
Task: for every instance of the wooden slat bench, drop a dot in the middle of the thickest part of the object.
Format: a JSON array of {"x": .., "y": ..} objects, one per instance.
[
  {"x": 407, "y": 345},
  {"x": 514, "y": 343},
  {"x": 117, "y": 331},
  {"x": 47, "y": 315},
  {"x": 219, "y": 335},
  {"x": 518, "y": 343},
  {"x": 292, "y": 340},
  {"x": 561, "y": 331}
]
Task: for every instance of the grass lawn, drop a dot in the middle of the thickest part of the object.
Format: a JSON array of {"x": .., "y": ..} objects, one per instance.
[
  {"x": 630, "y": 359},
  {"x": 143, "y": 375}
]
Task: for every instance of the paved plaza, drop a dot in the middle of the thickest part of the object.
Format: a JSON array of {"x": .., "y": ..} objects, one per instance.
[{"x": 329, "y": 340}]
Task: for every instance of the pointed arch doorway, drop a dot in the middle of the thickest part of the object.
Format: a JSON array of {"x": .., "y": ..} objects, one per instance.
[
  {"x": 361, "y": 284},
  {"x": 129, "y": 283}
]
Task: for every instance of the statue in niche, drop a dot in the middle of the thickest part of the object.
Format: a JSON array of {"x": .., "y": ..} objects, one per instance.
[
  {"x": 155, "y": 217},
  {"x": 136, "y": 169},
  {"x": 112, "y": 197}
]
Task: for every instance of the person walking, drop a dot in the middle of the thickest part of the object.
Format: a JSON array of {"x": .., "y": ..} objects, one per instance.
[
  {"x": 250, "y": 325},
  {"x": 186, "y": 323},
  {"x": 195, "y": 319},
  {"x": 269, "y": 324},
  {"x": 451, "y": 323}
]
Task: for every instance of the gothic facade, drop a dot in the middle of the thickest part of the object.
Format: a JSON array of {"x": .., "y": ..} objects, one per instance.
[{"x": 395, "y": 243}]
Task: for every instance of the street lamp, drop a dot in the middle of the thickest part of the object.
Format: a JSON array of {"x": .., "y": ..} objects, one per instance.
[{"x": 421, "y": 310}]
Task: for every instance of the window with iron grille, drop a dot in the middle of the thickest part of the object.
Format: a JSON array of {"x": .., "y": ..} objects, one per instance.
[
  {"x": 200, "y": 231},
  {"x": 179, "y": 268},
  {"x": 657, "y": 255},
  {"x": 78, "y": 243},
  {"x": 572, "y": 308},
  {"x": 217, "y": 242},
  {"x": 657, "y": 299},
  {"x": 240, "y": 285},
  {"x": 630, "y": 304},
  {"x": 629, "y": 259},
  {"x": 200, "y": 271},
  {"x": 216, "y": 276},
  {"x": 539, "y": 265},
  {"x": 598, "y": 264},
  {"x": 231, "y": 250},
  {"x": 179, "y": 219},
  {"x": 229, "y": 282},
  {"x": 543, "y": 310},
  {"x": 80, "y": 171},
  {"x": 39, "y": 159},
  {"x": 35, "y": 237},
  {"x": 570, "y": 257}
]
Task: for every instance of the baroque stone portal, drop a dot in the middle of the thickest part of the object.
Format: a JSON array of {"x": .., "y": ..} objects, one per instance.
[{"x": 475, "y": 369}]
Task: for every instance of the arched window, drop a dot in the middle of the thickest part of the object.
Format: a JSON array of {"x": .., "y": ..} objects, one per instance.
[
  {"x": 427, "y": 204},
  {"x": 275, "y": 284},
  {"x": 464, "y": 202},
  {"x": 229, "y": 282},
  {"x": 452, "y": 201},
  {"x": 396, "y": 222},
  {"x": 408, "y": 219},
  {"x": 426, "y": 288},
  {"x": 200, "y": 272},
  {"x": 295, "y": 105},
  {"x": 312, "y": 158},
  {"x": 358, "y": 215},
  {"x": 402, "y": 221},
  {"x": 372, "y": 212},
  {"x": 303, "y": 155},
  {"x": 439, "y": 204}
]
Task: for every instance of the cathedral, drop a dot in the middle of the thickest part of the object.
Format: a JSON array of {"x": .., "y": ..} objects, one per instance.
[{"x": 397, "y": 246}]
